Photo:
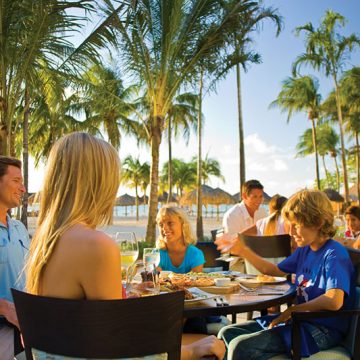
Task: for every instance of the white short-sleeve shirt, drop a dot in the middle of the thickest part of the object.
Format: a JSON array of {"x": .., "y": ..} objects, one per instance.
[{"x": 237, "y": 218}]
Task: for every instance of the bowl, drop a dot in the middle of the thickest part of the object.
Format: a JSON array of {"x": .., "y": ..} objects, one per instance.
[{"x": 222, "y": 282}]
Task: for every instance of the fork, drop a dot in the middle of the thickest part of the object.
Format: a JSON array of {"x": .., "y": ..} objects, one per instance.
[{"x": 247, "y": 288}]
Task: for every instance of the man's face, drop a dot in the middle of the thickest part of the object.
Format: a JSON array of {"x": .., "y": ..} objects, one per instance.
[
  {"x": 254, "y": 199},
  {"x": 11, "y": 188}
]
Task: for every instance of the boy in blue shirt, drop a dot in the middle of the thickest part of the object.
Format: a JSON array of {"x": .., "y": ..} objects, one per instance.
[{"x": 323, "y": 271}]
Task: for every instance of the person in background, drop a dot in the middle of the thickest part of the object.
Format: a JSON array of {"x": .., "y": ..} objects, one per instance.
[
  {"x": 273, "y": 224},
  {"x": 14, "y": 245},
  {"x": 352, "y": 217},
  {"x": 78, "y": 196},
  {"x": 244, "y": 215},
  {"x": 324, "y": 280},
  {"x": 176, "y": 242}
]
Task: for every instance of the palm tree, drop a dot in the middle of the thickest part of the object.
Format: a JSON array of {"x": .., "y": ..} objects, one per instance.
[
  {"x": 30, "y": 34},
  {"x": 132, "y": 175},
  {"x": 161, "y": 43},
  {"x": 182, "y": 116},
  {"x": 327, "y": 50},
  {"x": 210, "y": 167},
  {"x": 107, "y": 103},
  {"x": 297, "y": 95},
  {"x": 252, "y": 20}
]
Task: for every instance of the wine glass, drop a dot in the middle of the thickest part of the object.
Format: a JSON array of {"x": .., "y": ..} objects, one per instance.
[
  {"x": 151, "y": 258},
  {"x": 225, "y": 256},
  {"x": 129, "y": 252}
]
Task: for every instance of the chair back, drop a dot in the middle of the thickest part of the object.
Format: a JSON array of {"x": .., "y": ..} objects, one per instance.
[
  {"x": 354, "y": 332},
  {"x": 101, "y": 328},
  {"x": 269, "y": 246},
  {"x": 211, "y": 253}
]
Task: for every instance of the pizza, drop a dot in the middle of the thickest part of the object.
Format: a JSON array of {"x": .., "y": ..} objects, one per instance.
[{"x": 265, "y": 278}]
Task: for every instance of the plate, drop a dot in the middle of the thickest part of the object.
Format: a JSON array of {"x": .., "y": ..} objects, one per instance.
[
  {"x": 199, "y": 295},
  {"x": 253, "y": 281}
]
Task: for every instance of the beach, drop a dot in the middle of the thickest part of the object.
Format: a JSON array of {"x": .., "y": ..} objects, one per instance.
[{"x": 129, "y": 223}]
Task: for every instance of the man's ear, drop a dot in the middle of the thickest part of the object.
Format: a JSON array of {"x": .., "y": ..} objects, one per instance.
[{"x": 243, "y": 196}]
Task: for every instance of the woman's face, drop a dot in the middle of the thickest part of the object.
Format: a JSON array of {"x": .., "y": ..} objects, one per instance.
[
  {"x": 170, "y": 228},
  {"x": 353, "y": 223}
]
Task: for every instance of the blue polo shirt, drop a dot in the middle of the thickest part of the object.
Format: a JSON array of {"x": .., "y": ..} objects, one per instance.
[{"x": 14, "y": 245}]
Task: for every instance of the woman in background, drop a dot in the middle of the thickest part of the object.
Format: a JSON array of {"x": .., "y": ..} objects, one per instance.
[
  {"x": 176, "y": 242},
  {"x": 273, "y": 224}
]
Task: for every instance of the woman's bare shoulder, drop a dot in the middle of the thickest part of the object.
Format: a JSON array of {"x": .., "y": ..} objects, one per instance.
[{"x": 88, "y": 241}]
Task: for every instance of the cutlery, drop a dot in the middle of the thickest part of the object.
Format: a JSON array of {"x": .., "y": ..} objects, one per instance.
[
  {"x": 224, "y": 302},
  {"x": 246, "y": 288},
  {"x": 218, "y": 303}
]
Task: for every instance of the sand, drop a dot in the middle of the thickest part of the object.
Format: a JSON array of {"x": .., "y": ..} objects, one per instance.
[{"x": 128, "y": 223}]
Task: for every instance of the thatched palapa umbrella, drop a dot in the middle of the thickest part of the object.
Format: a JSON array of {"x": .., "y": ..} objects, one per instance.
[
  {"x": 164, "y": 196},
  {"x": 125, "y": 200},
  {"x": 336, "y": 199},
  {"x": 210, "y": 196}
]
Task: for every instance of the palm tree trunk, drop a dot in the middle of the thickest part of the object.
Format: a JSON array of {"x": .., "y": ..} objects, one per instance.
[
  {"x": 325, "y": 169},
  {"x": 137, "y": 202},
  {"x": 154, "y": 179},
  {"x": 199, "y": 222},
  {"x": 337, "y": 174},
  {"x": 313, "y": 125},
  {"x": 26, "y": 157},
  {"x": 357, "y": 162},
  {"x": 170, "y": 162},
  {"x": 241, "y": 129},
  {"x": 343, "y": 154}
]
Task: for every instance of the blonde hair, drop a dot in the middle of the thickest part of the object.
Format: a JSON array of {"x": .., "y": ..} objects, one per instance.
[
  {"x": 172, "y": 210},
  {"x": 276, "y": 203},
  {"x": 311, "y": 208},
  {"x": 81, "y": 181}
]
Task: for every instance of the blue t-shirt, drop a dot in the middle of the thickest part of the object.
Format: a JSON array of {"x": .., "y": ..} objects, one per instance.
[
  {"x": 316, "y": 272},
  {"x": 193, "y": 257},
  {"x": 14, "y": 245}
]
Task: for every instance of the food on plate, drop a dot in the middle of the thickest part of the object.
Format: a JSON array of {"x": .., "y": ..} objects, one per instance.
[
  {"x": 190, "y": 280},
  {"x": 265, "y": 278},
  {"x": 168, "y": 286}
]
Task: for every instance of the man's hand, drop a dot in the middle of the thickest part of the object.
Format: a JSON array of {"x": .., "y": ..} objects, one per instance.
[
  {"x": 209, "y": 345},
  {"x": 7, "y": 309}
]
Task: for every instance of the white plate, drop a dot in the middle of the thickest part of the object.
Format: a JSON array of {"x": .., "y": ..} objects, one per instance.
[
  {"x": 253, "y": 281},
  {"x": 199, "y": 295}
]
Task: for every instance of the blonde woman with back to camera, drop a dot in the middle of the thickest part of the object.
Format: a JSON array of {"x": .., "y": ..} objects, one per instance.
[{"x": 68, "y": 257}]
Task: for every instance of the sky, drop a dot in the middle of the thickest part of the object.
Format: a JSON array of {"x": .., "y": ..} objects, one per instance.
[{"x": 269, "y": 140}]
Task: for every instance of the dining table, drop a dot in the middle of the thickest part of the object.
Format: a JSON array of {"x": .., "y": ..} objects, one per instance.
[{"x": 242, "y": 300}]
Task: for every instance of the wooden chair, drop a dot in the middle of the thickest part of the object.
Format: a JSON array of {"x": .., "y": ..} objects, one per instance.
[
  {"x": 350, "y": 348},
  {"x": 101, "y": 328}
]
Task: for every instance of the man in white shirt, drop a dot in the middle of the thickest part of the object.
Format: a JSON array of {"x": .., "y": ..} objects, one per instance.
[{"x": 245, "y": 214}]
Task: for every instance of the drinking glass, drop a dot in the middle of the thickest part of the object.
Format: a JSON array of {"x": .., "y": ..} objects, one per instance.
[
  {"x": 225, "y": 255},
  {"x": 129, "y": 252},
  {"x": 151, "y": 258}
]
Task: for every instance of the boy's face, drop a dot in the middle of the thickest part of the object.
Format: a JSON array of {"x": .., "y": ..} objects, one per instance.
[
  {"x": 170, "y": 228},
  {"x": 304, "y": 235},
  {"x": 353, "y": 223}
]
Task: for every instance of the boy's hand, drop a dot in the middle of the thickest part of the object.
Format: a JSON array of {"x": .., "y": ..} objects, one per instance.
[
  {"x": 227, "y": 243},
  {"x": 284, "y": 317}
]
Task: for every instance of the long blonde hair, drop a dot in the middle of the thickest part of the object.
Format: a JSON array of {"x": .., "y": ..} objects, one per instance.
[
  {"x": 276, "y": 203},
  {"x": 81, "y": 181},
  {"x": 171, "y": 210}
]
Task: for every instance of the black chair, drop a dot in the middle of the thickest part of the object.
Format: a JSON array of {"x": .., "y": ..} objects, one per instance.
[
  {"x": 350, "y": 349},
  {"x": 211, "y": 253},
  {"x": 268, "y": 247},
  {"x": 101, "y": 328}
]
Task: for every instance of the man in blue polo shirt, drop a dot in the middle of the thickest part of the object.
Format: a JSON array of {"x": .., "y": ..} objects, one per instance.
[{"x": 14, "y": 245}]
